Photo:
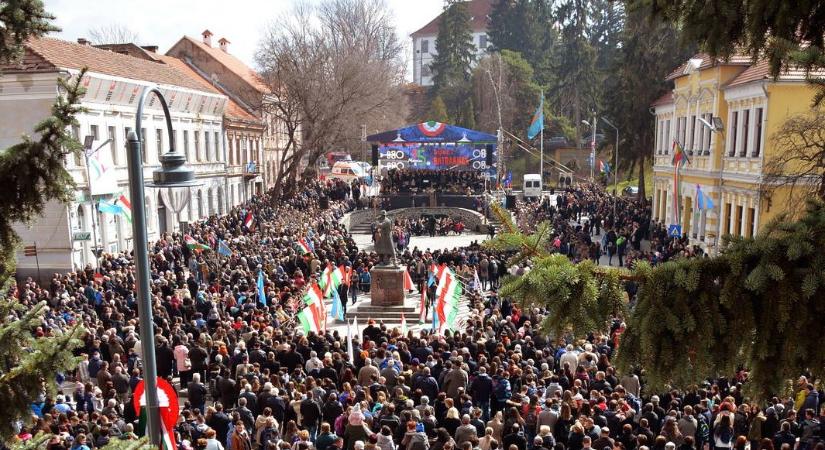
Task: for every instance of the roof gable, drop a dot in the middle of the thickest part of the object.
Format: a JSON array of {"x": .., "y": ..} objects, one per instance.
[{"x": 233, "y": 64}]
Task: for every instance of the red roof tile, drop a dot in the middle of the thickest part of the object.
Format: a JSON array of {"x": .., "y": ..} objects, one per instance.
[
  {"x": 663, "y": 100},
  {"x": 707, "y": 61},
  {"x": 49, "y": 53},
  {"x": 479, "y": 11},
  {"x": 232, "y": 110},
  {"x": 234, "y": 64},
  {"x": 758, "y": 71}
]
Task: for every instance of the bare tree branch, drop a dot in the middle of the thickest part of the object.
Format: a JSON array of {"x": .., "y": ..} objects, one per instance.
[
  {"x": 113, "y": 33},
  {"x": 799, "y": 159}
]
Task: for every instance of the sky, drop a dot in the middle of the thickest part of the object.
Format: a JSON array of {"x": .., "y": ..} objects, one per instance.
[{"x": 163, "y": 22}]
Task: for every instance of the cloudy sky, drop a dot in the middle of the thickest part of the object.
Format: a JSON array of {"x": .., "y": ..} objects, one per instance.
[{"x": 163, "y": 22}]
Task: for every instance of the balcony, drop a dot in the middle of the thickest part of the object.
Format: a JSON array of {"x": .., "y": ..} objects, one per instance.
[{"x": 251, "y": 169}]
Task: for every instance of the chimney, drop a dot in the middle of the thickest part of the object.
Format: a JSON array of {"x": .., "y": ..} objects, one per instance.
[
  {"x": 207, "y": 37},
  {"x": 150, "y": 48},
  {"x": 83, "y": 41},
  {"x": 224, "y": 43}
]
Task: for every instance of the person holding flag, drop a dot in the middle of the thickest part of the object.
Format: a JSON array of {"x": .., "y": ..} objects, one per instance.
[{"x": 260, "y": 286}]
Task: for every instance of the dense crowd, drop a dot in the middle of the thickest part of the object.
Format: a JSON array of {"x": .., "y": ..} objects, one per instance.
[
  {"x": 584, "y": 227},
  {"x": 442, "y": 181},
  {"x": 250, "y": 379}
]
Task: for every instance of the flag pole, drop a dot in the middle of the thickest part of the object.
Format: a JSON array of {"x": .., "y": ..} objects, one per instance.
[{"x": 541, "y": 145}]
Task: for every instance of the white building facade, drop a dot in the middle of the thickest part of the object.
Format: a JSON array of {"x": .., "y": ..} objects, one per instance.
[
  {"x": 424, "y": 40},
  {"x": 62, "y": 234}
]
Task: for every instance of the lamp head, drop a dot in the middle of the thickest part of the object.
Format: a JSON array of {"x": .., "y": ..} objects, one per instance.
[{"x": 173, "y": 171}]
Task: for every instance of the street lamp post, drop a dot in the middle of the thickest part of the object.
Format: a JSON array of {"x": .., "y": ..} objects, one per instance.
[
  {"x": 172, "y": 173},
  {"x": 615, "y": 167},
  {"x": 499, "y": 134}
]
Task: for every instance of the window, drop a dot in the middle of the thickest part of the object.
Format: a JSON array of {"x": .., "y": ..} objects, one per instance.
[
  {"x": 700, "y": 145},
  {"x": 113, "y": 144},
  {"x": 746, "y": 117},
  {"x": 186, "y": 144},
  {"x": 709, "y": 118},
  {"x": 726, "y": 230},
  {"x": 734, "y": 127},
  {"x": 751, "y": 229},
  {"x": 757, "y": 134},
  {"x": 667, "y": 137},
  {"x": 425, "y": 46},
  {"x": 740, "y": 216},
  {"x": 426, "y": 71},
  {"x": 218, "y": 154},
  {"x": 692, "y": 132},
  {"x": 93, "y": 132},
  {"x": 207, "y": 147},
  {"x": 159, "y": 141},
  {"x": 197, "y": 137},
  {"x": 482, "y": 42}
]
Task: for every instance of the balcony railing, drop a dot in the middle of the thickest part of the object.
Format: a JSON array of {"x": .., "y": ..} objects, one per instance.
[{"x": 251, "y": 169}]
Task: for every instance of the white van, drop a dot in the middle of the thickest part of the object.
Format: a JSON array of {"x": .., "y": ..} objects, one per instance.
[
  {"x": 532, "y": 185},
  {"x": 350, "y": 170}
]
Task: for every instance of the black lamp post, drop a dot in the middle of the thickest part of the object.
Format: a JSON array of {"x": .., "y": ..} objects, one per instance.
[{"x": 173, "y": 173}]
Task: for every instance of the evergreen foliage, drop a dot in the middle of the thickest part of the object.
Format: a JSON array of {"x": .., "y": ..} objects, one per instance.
[
  {"x": 786, "y": 32},
  {"x": 33, "y": 171},
  {"x": 454, "y": 45},
  {"x": 757, "y": 305},
  {"x": 523, "y": 26},
  {"x": 438, "y": 111},
  {"x": 29, "y": 366},
  {"x": 20, "y": 20}
]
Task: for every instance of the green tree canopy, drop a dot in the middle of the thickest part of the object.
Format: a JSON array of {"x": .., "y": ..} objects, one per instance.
[
  {"x": 786, "y": 32},
  {"x": 757, "y": 305},
  {"x": 454, "y": 45}
]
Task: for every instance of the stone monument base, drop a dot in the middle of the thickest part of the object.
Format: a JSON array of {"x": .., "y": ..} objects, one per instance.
[{"x": 387, "y": 286}]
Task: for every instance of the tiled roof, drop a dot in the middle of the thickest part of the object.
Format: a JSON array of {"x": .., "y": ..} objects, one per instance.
[
  {"x": 663, "y": 100},
  {"x": 232, "y": 110},
  {"x": 707, "y": 61},
  {"x": 49, "y": 54},
  {"x": 234, "y": 64},
  {"x": 479, "y": 11},
  {"x": 762, "y": 71}
]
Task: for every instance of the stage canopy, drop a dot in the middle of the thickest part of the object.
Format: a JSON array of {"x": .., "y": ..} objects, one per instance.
[
  {"x": 435, "y": 146},
  {"x": 432, "y": 132}
]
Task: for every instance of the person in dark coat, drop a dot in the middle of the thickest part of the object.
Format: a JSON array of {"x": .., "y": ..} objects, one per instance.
[{"x": 481, "y": 389}]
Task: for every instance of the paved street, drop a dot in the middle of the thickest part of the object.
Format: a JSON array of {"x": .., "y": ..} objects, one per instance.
[{"x": 364, "y": 241}]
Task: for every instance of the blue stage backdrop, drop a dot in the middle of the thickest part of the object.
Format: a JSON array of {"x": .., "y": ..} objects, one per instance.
[{"x": 434, "y": 146}]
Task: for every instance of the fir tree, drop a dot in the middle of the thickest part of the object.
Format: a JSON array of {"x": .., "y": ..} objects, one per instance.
[
  {"x": 523, "y": 26},
  {"x": 438, "y": 111},
  {"x": 33, "y": 173},
  {"x": 786, "y": 32},
  {"x": 454, "y": 45},
  {"x": 757, "y": 305}
]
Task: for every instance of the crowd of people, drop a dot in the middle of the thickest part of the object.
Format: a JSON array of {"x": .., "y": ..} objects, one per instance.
[
  {"x": 249, "y": 378},
  {"x": 426, "y": 225},
  {"x": 443, "y": 181},
  {"x": 584, "y": 228}
]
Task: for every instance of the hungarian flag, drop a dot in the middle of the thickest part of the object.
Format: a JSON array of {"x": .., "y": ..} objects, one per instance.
[
  {"x": 193, "y": 244},
  {"x": 331, "y": 278},
  {"x": 311, "y": 318},
  {"x": 447, "y": 294},
  {"x": 403, "y": 324},
  {"x": 314, "y": 296},
  {"x": 408, "y": 283},
  {"x": 249, "y": 221},
  {"x": 125, "y": 207},
  {"x": 304, "y": 246},
  {"x": 347, "y": 270}
]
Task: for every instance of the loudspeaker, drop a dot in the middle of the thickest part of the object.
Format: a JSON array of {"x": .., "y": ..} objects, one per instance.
[
  {"x": 323, "y": 202},
  {"x": 374, "y": 155},
  {"x": 510, "y": 201},
  {"x": 488, "y": 155}
]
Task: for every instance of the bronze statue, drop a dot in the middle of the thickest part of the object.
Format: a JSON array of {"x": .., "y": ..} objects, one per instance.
[{"x": 383, "y": 240}]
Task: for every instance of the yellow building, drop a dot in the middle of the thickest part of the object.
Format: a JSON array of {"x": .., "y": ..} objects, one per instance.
[{"x": 744, "y": 106}]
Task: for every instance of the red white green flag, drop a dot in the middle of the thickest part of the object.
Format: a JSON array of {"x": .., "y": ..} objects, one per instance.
[
  {"x": 193, "y": 244},
  {"x": 408, "y": 283},
  {"x": 447, "y": 294},
  {"x": 311, "y": 318}
]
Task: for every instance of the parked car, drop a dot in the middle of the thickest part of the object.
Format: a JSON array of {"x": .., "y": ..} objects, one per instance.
[{"x": 630, "y": 191}]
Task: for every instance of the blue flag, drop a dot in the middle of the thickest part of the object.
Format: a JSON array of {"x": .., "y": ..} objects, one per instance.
[
  {"x": 337, "y": 311},
  {"x": 261, "y": 293},
  {"x": 703, "y": 201},
  {"x": 109, "y": 208},
  {"x": 223, "y": 249},
  {"x": 435, "y": 319},
  {"x": 537, "y": 123}
]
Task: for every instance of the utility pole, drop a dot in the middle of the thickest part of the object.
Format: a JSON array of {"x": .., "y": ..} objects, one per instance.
[
  {"x": 593, "y": 149},
  {"x": 500, "y": 133}
]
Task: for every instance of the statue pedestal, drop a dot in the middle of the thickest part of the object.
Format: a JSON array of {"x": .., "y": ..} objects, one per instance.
[{"x": 387, "y": 286}]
